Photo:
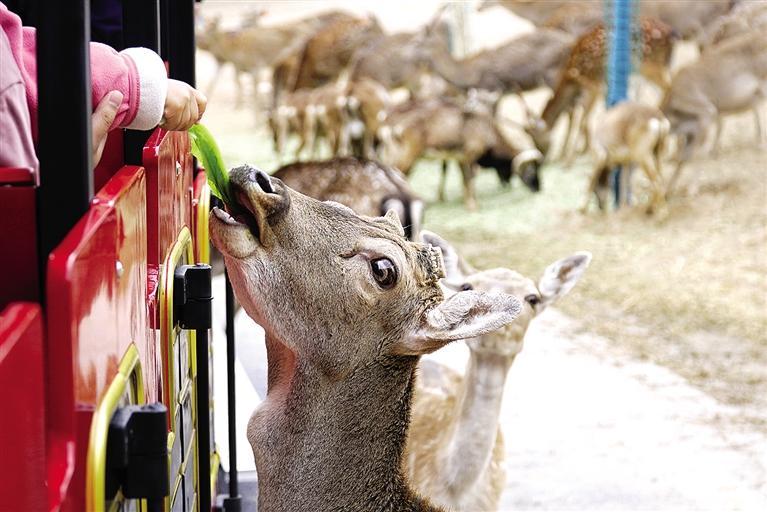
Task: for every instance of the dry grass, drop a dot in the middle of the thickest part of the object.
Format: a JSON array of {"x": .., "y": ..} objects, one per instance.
[{"x": 689, "y": 292}]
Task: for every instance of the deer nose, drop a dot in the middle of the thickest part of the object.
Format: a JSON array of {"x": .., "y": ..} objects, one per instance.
[{"x": 261, "y": 179}]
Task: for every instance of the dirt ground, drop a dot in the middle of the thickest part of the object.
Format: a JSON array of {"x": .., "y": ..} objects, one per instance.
[{"x": 677, "y": 307}]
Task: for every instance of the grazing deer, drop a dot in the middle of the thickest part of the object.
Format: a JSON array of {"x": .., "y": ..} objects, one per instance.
[
  {"x": 626, "y": 134},
  {"x": 455, "y": 452},
  {"x": 367, "y": 187},
  {"x": 466, "y": 132},
  {"x": 729, "y": 78},
  {"x": 582, "y": 78},
  {"x": 348, "y": 305}
]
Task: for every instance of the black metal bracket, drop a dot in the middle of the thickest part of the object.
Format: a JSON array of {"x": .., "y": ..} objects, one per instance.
[
  {"x": 137, "y": 453},
  {"x": 192, "y": 297},
  {"x": 192, "y": 309}
]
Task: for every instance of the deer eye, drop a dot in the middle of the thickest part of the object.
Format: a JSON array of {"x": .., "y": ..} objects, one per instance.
[
  {"x": 465, "y": 287},
  {"x": 384, "y": 272},
  {"x": 533, "y": 299}
]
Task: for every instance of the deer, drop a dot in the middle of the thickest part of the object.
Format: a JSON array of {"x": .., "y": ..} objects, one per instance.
[
  {"x": 582, "y": 78},
  {"x": 251, "y": 47},
  {"x": 535, "y": 11},
  {"x": 465, "y": 131},
  {"x": 744, "y": 17},
  {"x": 397, "y": 60},
  {"x": 728, "y": 78},
  {"x": 348, "y": 306},
  {"x": 508, "y": 67},
  {"x": 366, "y": 106},
  {"x": 688, "y": 18},
  {"x": 366, "y": 186},
  {"x": 626, "y": 134},
  {"x": 324, "y": 55},
  {"x": 455, "y": 450}
]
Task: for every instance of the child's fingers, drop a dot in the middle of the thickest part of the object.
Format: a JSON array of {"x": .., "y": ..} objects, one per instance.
[
  {"x": 101, "y": 121},
  {"x": 202, "y": 103}
]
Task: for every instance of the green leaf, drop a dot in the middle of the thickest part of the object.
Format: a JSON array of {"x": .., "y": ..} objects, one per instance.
[{"x": 206, "y": 150}]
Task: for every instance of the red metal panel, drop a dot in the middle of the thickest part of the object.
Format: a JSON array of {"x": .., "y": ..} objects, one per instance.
[
  {"x": 96, "y": 293},
  {"x": 22, "y": 435},
  {"x": 168, "y": 162},
  {"x": 112, "y": 159},
  {"x": 18, "y": 230}
]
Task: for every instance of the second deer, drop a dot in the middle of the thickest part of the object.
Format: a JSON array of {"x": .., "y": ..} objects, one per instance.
[{"x": 455, "y": 452}]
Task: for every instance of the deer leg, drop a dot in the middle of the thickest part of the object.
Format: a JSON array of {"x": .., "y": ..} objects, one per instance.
[
  {"x": 469, "y": 199},
  {"x": 658, "y": 201},
  {"x": 600, "y": 168},
  {"x": 213, "y": 80},
  {"x": 760, "y": 139},
  {"x": 240, "y": 94},
  {"x": 442, "y": 182}
]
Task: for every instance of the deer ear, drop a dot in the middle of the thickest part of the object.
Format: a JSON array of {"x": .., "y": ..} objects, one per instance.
[
  {"x": 463, "y": 315},
  {"x": 560, "y": 277},
  {"x": 392, "y": 217}
]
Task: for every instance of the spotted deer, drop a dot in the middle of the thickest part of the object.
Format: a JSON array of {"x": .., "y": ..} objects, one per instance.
[
  {"x": 347, "y": 305},
  {"x": 582, "y": 79},
  {"x": 455, "y": 451},
  {"x": 629, "y": 133}
]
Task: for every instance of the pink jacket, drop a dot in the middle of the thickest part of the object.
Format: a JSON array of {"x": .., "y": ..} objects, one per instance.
[{"x": 138, "y": 73}]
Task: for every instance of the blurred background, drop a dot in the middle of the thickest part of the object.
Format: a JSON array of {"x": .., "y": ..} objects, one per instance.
[{"x": 646, "y": 387}]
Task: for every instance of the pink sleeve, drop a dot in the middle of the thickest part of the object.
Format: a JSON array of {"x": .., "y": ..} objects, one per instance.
[{"x": 136, "y": 72}]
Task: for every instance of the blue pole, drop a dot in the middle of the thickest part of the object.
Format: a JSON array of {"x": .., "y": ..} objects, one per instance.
[{"x": 618, "y": 67}]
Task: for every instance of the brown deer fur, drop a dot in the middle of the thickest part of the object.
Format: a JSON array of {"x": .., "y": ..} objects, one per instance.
[{"x": 348, "y": 306}]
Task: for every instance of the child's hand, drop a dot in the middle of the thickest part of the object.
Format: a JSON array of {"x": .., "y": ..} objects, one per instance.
[
  {"x": 184, "y": 106},
  {"x": 101, "y": 121}
]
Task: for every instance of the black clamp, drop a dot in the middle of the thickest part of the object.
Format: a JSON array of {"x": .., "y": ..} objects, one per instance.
[
  {"x": 192, "y": 297},
  {"x": 137, "y": 452}
]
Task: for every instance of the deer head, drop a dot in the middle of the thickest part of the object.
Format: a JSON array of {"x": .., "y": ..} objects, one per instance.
[
  {"x": 556, "y": 281},
  {"x": 347, "y": 304}
]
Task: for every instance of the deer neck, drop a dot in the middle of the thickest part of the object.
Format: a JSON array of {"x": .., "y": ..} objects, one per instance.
[
  {"x": 327, "y": 443},
  {"x": 459, "y": 73},
  {"x": 473, "y": 431}
]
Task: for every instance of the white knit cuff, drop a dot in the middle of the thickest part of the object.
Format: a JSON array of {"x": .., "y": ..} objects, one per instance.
[{"x": 153, "y": 85}]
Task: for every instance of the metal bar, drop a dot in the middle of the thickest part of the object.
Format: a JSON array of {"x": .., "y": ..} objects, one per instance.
[
  {"x": 232, "y": 503},
  {"x": 64, "y": 123},
  {"x": 203, "y": 419},
  {"x": 618, "y": 67},
  {"x": 141, "y": 27},
  {"x": 181, "y": 42}
]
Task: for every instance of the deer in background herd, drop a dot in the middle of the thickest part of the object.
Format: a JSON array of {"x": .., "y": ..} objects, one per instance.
[
  {"x": 626, "y": 134},
  {"x": 465, "y": 131},
  {"x": 730, "y": 77},
  {"x": 582, "y": 80},
  {"x": 365, "y": 186},
  {"x": 455, "y": 452},
  {"x": 348, "y": 306}
]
